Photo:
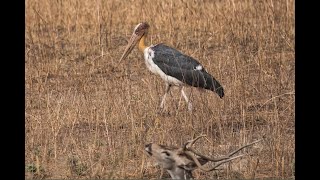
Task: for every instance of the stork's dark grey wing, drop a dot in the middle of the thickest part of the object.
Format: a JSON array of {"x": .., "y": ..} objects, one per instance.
[
  {"x": 184, "y": 68},
  {"x": 173, "y": 58}
]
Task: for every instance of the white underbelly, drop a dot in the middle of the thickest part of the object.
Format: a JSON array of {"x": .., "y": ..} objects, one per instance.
[{"x": 148, "y": 56}]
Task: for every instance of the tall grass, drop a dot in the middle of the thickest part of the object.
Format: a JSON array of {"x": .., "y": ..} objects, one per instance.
[{"x": 89, "y": 117}]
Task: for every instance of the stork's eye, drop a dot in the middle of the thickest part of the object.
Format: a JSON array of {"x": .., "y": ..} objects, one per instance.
[{"x": 166, "y": 152}]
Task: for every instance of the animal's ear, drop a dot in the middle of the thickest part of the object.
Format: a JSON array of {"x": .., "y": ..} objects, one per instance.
[
  {"x": 192, "y": 165},
  {"x": 189, "y": 167},
  {"x": 202, "y": 161}
]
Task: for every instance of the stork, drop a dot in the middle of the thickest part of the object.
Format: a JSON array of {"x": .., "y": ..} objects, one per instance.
[{"x": 175, "y": 68}]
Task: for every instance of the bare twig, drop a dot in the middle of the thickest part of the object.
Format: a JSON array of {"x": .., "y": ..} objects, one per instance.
[{"x": 223, "y": 159}]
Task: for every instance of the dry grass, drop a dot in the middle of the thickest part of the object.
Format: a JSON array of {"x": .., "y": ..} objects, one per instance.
[{"x": 89, "y": 117}]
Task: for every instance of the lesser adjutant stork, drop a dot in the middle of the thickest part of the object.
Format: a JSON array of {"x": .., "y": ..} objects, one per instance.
[{"x": 172, "y": 66}]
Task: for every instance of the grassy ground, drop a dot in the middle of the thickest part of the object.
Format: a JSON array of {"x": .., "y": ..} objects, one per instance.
[{"x": 89, "y": 117}]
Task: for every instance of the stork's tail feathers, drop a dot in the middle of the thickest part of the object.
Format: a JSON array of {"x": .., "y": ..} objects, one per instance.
[
  {"x": 205, "y": 80},
  {"x": 219, "y": 90},
  {"x": 198, "y": 78},
  {"x": 213, "y": 85}
]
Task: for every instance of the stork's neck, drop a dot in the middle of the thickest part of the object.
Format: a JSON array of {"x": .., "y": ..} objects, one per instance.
[{"x": 142, "y": 46}]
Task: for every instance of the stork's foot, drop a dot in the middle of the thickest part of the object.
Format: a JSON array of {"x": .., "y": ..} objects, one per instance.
[
  {"x": 163, "y": 112},
  {"x": 190, "y": 107},
  {"x": 161, "y": 109}
]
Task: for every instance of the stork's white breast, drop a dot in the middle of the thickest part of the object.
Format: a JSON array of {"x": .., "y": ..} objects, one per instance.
[{"x": 148, "y": 56}]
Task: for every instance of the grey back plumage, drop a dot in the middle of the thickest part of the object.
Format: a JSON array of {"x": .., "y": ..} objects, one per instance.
[{"x": 184, "y": 68}]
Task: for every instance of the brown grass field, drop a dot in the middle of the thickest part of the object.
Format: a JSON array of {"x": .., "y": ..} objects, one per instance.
[{"x": 89, "y": 117}]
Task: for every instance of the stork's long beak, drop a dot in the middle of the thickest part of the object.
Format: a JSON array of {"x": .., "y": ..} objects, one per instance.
[{"x": 132, "y": 42}]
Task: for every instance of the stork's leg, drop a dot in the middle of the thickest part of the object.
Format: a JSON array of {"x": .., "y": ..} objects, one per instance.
[
  {"x": 165, "y": 95},
  {"x": 186, "y": 98}
]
